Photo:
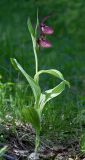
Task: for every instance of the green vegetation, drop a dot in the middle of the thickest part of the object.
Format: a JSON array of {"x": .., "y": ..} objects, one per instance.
[{"x": 67, "y": 55}]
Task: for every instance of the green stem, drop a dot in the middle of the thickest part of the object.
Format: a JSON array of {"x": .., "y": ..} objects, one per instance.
[
  {"x": 37, "y": 141},
  {"x": 36, "y": 60},
  {"x": 35, "y": 54}
]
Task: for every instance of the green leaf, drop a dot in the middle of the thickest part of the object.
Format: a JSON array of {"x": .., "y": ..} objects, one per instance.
[
  {"x": 31, "y": 115},
  {"x": 67, "y": 83},
  {"x": 13, "y": 63},
  {"x": 35, "y": 87},
  {"x": 82, "y": 143},
  {"x": 31, "y": 30},
  {"x": 50, "y": 94},
  {"x": 53, "y": 72},
  {"x": 3, "y": 150},
  {"x": 37, "y": 24}
]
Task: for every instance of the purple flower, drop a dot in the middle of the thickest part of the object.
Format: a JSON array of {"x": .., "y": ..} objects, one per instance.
[
  {"x": 44, "y": 43},
  {"x": 46, "y": 29}
]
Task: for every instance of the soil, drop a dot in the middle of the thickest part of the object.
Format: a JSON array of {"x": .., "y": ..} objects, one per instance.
[{"x": 21, "y": 144}]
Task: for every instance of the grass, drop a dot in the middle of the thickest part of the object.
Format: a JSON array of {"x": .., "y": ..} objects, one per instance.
[{"x": 66, "y": 55}]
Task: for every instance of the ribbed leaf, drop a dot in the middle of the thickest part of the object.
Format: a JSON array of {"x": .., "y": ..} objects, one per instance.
[
  {"x": 31, "y": 115},
  {"x": 51, "y": 93},
  {"x": 53, "y": 72},
  {"x": 35, "y": 87}
]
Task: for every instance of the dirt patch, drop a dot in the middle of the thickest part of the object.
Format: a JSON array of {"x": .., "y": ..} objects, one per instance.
[{"x": 21, "y": 145}]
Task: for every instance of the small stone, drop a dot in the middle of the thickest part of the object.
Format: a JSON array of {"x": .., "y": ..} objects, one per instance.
[{"x": 33, "y": 156}]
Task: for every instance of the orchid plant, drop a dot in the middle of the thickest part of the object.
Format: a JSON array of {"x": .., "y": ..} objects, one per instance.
[{"x": 34, "y": 114}]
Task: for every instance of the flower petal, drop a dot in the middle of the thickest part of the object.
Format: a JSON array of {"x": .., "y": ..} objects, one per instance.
[
  {"x": 46, "y": 29},
  {"x": 44, "y": 43}
]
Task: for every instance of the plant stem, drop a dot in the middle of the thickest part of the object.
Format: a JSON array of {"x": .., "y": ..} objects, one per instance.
[
  {"x": 35, "y": 54},
  {"x": 37, "y": 141},
  {"x": 36, "y": 60}
]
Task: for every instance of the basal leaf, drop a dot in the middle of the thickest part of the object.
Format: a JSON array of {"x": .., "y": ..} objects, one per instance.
[
  {"x": 31, "y": 115},
  {"x": 35, "y": 87}
]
